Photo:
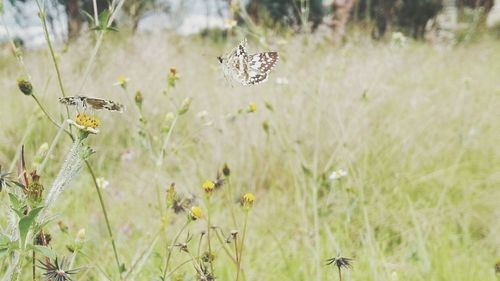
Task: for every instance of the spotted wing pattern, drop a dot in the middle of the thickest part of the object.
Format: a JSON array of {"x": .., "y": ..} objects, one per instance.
[
  {"x": 93, "y": 103},
  {"x": 248, "y": 69},
  {"x": 259, "y": 66}
]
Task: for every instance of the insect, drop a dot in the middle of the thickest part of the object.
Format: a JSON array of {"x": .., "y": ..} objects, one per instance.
[
  {"x": 82, "y": 102},
  {"x": 248, "y": 69}
]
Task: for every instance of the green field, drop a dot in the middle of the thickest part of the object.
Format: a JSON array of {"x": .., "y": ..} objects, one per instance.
[{"x": 416, "y": 129}]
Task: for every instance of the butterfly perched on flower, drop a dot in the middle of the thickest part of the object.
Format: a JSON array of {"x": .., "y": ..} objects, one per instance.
[
  {"x": 83, "y": 102},
  {"x": 248, "y": 69}
]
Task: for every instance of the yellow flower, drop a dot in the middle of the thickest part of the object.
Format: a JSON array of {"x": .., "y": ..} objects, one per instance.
[
  {"x": 122, "y": 81},
  {"x": 86, "y": 123},
  {"x": 196, "y": 213},
  {"x": 252, "y": 107},
  {"x": 208, "y": 186},
  {"x": 248, "y": 200}
]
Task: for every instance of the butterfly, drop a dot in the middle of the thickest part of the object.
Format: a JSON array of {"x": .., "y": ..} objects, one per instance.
[
  {"x": 248, "y": 69},
  {"x": 93, "y": 103}
]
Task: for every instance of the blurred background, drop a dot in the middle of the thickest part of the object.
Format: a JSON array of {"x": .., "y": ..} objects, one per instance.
[
  {"x": 375, "y": 137},
  {"x": 429, "y": 20}
]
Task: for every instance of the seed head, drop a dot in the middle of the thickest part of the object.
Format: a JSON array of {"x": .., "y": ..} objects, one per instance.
[{"x": 25, "y": 86}]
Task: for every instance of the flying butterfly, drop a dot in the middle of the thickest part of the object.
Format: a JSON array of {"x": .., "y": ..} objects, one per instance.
[
  {"x": 248, "y": 69},
  {"x": 83, "y": 102}
]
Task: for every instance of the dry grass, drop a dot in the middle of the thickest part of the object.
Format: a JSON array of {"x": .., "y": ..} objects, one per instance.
[{"x": 416, "y": 129}]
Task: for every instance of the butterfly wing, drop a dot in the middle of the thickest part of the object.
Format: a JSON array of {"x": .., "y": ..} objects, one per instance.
[
  {"x": 97, "y": 104},
  {"x": 236, "y": 63},
  {"x": 259, "y": 66}
]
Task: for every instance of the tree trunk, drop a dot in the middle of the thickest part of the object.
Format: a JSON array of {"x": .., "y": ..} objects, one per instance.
[
  {"x": 74, "y": 20},
  {"x": 341, "y": 12}
]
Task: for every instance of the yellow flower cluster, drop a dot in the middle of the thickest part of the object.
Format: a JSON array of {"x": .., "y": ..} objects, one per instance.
[
  {"x": 208, "y": 186},
  {"x": 196, "y": 213},
  {"x": 87, "y": 121}
]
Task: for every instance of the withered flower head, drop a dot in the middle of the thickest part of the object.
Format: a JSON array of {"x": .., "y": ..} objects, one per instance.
[
  {"x": 208, "y": 257},
  {"x": 43, "y": 238},
  {"x": 55, "y": 271},
  {"x": 340, "y": 262}
]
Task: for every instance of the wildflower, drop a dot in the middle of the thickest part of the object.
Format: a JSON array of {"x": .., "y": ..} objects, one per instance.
[
  {"x": 25, "y": 86},
  {"x": 80, "y": 239},
  {"x": 208, "y": 257},
  {"x": 226, "y": 171},
  {"x": 399, "y": 40},
  {"x": 171, "y": 194},
  {"x": 265, "y": 126},
  {"x": 102, "y": 183},
  {"x": 138, "y": 99},
  {"x": 230, "y": 23},
  {"x": 208, "y": 186},
  {"x": 196, "y": 213},
  {"x": 219, "y": 181},
  {"x": 6, "y": 180},
  {"x": 34, "y": 192},
  {"x": 168, "y": 121},
  {"x": 186, "y": 103},
  {"x": 55, "y": 272},
  {"x": 247, "y": 200},
  {"x": 340, "y": 262},
  {"x": 43, "y": 238},
  {"x": 62, "y": 226},
  {"x": 338, "y": 174},
  {"x": 172, "y": 77},
  {"x": 122, "y": 81},
  {"x": 269, "y": 105},
  {"x": 252, "y": 107},
  {"x": 85, "y": 123}
]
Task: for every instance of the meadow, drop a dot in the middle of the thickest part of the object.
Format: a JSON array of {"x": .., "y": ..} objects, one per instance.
[{"x": 415, "y": 128}]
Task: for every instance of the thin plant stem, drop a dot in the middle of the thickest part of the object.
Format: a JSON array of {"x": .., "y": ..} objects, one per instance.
[
  {"x": 169, "y": 249},
  {"x": 224, "y": 247},
  {"x": 209, "y": 227},
  {"x": 97, "y": 46},
  {"x": 51, "y": 49},
  {"x": 106, "y": 218},
  {"x": 242, "y": 244},
  {"x": 47, "y": 114}
]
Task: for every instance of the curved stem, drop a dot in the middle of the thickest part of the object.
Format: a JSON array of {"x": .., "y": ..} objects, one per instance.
[{"x": 104, "y": 211}]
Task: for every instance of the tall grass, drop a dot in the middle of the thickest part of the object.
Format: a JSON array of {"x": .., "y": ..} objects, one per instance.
[{"x": 415, "y": 128}]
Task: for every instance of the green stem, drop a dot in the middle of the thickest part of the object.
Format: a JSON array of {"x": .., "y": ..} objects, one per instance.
[
  {"x": 242, "y": 244},
  {"x": 169, "y": 249},
  {"x": 209, "y": 227},
  {"x": 49, "y": 44},
  {"x": 106, "y": 218}
]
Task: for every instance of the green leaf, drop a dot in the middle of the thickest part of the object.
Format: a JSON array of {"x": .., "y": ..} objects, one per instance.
[
  {"x": 46, "y": 251},
  {"x": 3, "y": 251},
  {"x": 14, "y": 201},
  {"x": 4, "y": 240},
  {"x": 307, "y": 172},
  {"x": 26, "y": 222}
]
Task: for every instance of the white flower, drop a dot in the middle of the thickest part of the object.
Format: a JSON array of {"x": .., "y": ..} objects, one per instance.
[
  {"x": 102, "y": 183},
  {"x": 338, "y": 174}
]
